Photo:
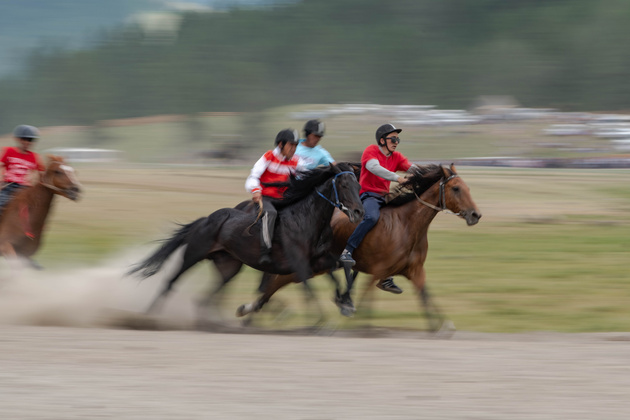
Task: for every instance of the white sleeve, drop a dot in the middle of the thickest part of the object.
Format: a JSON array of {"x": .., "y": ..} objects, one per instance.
[
  {"x": 252, "y": 184},
  {"x": 373, "y": 166},
  {"x": 302, "y": 165}
]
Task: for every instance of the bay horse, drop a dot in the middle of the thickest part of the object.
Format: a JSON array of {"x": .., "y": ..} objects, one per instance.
[
  {"x": 24, "y": 218},
  {"x": 301, "y": 242},
  {"x": 398, "y": 243}
]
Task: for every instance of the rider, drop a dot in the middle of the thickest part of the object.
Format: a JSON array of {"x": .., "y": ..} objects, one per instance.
[
  {"x": 379, "y": 163},
  {"x": 274, "y": 166},
  {"x": 18, "y": 162},
  {"x": 308, "y": 150}
]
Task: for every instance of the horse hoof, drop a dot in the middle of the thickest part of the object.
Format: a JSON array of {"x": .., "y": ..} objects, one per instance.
[
  {"x": 240, "y": 311},
  {"x": 347, "y": 310},
  {"x": 446, "y": 330}
]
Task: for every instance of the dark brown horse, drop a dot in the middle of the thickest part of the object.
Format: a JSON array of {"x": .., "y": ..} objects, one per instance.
[
  {"x": 229, "y": 237},
  {"x": 398, "y": 244},
  {"x": 24, "y": 218}
]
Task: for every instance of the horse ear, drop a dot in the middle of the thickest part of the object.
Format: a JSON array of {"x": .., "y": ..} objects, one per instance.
[
  {"x": 334, "y": 167},
  {"x": 356, "y": 168},
  {"x": 446, "y": 171},
  {"x": 453, "y": 168}
]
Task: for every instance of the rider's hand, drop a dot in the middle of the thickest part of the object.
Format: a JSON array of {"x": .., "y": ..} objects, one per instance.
[
  {"x": 401, "y": 179},
  {"x": 257, "y": 197}
]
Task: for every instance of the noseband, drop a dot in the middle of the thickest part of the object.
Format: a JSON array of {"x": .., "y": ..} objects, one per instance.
[
  {"x": 53, "y": 187},
  {"x": 441, "y": 197},
  {"x": 337, "y": 203}
]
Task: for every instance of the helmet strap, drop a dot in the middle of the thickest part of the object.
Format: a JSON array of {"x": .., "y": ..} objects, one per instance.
[{"x": 384, "y": 145}]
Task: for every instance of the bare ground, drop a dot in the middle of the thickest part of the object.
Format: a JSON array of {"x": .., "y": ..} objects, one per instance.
[
  {"x": 79, "y": 373},
  {"x": 61, "y": 357}
]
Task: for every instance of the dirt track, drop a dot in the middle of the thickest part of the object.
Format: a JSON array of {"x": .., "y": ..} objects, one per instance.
[{"x": 80, "y": 373}]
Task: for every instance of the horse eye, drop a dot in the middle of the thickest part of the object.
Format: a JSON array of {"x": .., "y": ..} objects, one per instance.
[
  {"x": 58, "y": 172},
  {"x": 455, "y": 189}
]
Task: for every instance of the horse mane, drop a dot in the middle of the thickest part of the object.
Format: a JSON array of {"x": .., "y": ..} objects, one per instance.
[
  {"x": 303, "y": 183},
  {"x": 421, "y": 178}
]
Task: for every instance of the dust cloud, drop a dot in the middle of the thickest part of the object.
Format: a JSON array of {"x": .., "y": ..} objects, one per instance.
[{"x": 97, "y": 296}]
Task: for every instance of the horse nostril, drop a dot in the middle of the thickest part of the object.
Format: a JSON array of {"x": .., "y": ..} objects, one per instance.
[{"x": 477, "y": 215}]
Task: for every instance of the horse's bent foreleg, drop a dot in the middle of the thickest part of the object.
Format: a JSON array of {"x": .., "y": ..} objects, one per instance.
[
  {"x": 275, "y": 283},
  {"x": 265, "y": 280}
]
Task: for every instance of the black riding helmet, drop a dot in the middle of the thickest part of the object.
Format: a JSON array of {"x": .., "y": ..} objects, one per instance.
[
  {"x": 26, "y": 132},
  {"x": 314, "y": 127},
  {"x": 384, "y": 130},
  {"x": 287, "y": 135}
]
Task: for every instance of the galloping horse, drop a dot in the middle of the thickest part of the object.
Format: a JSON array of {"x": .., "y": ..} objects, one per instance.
[
  {"x": 23, "y": 219},
  {"x": 301, "y": 242},
  {"x": 398, "y": 243}
]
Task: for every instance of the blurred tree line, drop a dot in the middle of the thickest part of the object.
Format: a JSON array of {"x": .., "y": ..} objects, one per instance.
[{"x": 565, "y": 54}]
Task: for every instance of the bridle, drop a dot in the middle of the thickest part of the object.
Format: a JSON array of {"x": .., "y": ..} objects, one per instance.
[
  {"x": 441, "y": 197},
  {"x": 337, "y": 203},
  {"x": 53, "y": 187}
]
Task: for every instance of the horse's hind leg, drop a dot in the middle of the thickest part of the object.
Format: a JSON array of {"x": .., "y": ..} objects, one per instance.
[
  {"x": 365, "y": 300},
  {"x": 228, "y": 267},
  {"x": 190, "y": 258}
]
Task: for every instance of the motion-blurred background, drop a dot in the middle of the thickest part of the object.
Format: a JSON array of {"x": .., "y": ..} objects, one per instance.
[
  {"x": 181, "y": 98},
  {"x": 219, "y": 78}
]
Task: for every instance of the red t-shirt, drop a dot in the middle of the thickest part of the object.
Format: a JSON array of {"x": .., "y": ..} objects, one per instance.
[
  {"x": 17, "y": 165},
  {"x": 394, "y": 162}
]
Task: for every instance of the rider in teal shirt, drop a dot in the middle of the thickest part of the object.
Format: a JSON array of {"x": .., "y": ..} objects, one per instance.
[{"x": 311, "y": 154}]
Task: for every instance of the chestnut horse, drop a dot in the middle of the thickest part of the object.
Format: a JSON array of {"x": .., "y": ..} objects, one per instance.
[
  {"x": 24, "y": 217},
  {"x": 398, "y": 243}
]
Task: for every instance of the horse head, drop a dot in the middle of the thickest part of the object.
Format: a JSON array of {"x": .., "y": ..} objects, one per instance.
[
  {"x": 455, "y": 196},
  {"x": 61, "y": 179},
  {"x": 346, "y": 189}
]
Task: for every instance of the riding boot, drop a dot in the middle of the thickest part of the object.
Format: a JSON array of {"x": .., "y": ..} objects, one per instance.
[{"x": 388, "y": 285}]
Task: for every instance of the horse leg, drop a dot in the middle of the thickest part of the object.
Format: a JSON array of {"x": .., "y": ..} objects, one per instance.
[
  {"x": 190, "y": 258},
  {"x": 228, "y": 267},
  {"x": 264, "y": 281},
  {"x": 344, "y": 301},
  {"x": 11, "y": 257},
  {"x": 275, "y": 283},
  {"x": 437, "y": 321},
  {"x": 365, "y": 301},
  {"x": 312, "y": 301}
]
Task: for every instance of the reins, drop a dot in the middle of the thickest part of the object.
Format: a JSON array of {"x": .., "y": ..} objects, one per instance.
[
  {"x": 441, "y": 197},
  {"x": 338, "y": 204}
]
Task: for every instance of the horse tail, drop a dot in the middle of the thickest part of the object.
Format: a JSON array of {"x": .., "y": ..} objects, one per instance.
[{"x": 154, "y": 263}]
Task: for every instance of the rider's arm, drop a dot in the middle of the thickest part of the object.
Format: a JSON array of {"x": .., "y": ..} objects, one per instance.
[
  {"x": 326, "y": 158},
  {"x": 373, "y": 166},
  {"x": 252, "y": 184}
]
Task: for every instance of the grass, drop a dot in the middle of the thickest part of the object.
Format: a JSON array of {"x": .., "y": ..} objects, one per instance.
[{"x": 549, "y": 254}]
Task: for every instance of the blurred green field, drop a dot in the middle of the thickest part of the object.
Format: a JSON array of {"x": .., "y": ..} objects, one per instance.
[
  {"x": 177, "y": 139},
  {"x": 549, "y": 254}
]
